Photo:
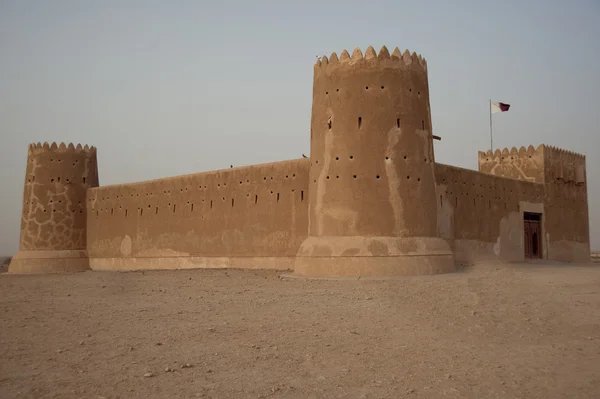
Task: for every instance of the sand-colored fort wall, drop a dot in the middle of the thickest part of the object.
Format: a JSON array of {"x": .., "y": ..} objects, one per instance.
[
  {"x": 566, "y": 220},
  {"x": 247, "y": 217},
  {"x": 525, "y": 164},
  {"x": 481, "y": 215},
  {"x": 53, "y": 222},
  {"x": 567, "y": 217},
  {"x": 372, "y": 185}
]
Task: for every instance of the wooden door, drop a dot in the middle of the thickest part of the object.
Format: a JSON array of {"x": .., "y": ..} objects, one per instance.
[
  {"x": 533, "y": 236},
  {"x": 536, "y": 247}
]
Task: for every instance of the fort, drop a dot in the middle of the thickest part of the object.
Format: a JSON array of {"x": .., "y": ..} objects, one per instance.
[{"x": 369, "y": 201}]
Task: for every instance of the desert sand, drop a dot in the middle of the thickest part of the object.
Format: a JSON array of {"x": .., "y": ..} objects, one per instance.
[{"x": 490, "y": 331}]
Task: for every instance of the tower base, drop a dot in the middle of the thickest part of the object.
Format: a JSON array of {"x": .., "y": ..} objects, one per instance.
[
  {"x": 373, "y": 257},
  {"x": 30, "y": 262}
]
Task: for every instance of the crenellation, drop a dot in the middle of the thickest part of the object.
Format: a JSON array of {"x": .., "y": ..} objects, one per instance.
[
  {"x": 523, "y": 164},
  {"x": 357, "y": 55},
  {"x": 384, "y": 54},
  {"x": 60, "y": 147},
  {"x": 370, "y": 53},
  {"x": 397, "y": 59}
]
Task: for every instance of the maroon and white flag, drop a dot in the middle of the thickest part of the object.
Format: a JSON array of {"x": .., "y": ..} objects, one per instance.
[{"x": 499, "y": 107}]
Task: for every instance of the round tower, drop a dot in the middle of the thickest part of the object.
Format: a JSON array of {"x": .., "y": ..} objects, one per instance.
[
  {"x": 53, "y": 221},
  {"x": 373, "y": 209}
]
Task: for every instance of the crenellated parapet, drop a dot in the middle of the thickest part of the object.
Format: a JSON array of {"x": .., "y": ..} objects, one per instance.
[
  {"x": 566, "y": 153},
  {"x": 502, "y": 154},
  {"x": 62, "y": 163},
  {"x": 525, "y": 164},
  {"x": 564, "y": 166},
  {"x": 542, "y": 164},
  {"x": 370, "y": 58},
  {"x": 61, "y": 147}
]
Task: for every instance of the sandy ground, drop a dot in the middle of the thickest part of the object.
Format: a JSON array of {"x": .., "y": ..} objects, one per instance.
[{"x": 495, "y": 331}]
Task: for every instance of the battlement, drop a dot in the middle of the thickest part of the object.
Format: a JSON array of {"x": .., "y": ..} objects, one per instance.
[
  {"x": 395, "y": 60},
  {"x": 525, "y": 164},
  {"x": 565, "y": 154},
  {"x": 531, "y": 151},
  {"x": 563, "y": 165},
  {"x": 501, "y": 154},
  {"x": 542, "y": 164},
  {"x": 62, "y": 147}
]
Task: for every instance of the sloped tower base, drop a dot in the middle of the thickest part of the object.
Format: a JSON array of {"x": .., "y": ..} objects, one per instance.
[
  {"x": 37, "y": 262},
  {"x": 373, "y": 257}
]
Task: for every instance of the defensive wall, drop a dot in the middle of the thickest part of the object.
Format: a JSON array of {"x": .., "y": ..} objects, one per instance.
[
  {"x": 247, "y": 217},
  {"x": 481, "y": 215},
  {"x": 563, "y": 174},
  {"x": 54, "y": 218},
  {"x": 370, "y": 200}
]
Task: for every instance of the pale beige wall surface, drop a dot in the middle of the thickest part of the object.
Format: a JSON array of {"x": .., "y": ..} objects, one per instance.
[
  {"x": 566, "y": 217},
  {"x": 54, "y": 211},
  {"x": 254, "y": 211},
  {"x": 54, "y": 216},
  {"x": 481, "y": 215},
  {"x": 371, "y": 146},
  {"x": 567, "y": 205},
  {"x": 525, "y": 164}
]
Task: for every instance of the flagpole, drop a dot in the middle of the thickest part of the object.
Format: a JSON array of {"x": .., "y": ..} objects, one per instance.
[{"x": 491, "y": 139}]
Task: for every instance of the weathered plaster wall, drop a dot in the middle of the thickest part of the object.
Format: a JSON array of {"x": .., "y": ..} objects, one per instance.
[
  {"x": 56, "y": 180},
  {"x": 481, "y": 215},
  {"x": 566, "y": 218},
  {"x": 525, "y": 164},
  {"x": 53, "y": 221},
  {"x": 372, "y": 185},
  {"x": 371, "y": 146},
  {"x": 253, "y": 216},
  {"x": 568, "y": 230}
]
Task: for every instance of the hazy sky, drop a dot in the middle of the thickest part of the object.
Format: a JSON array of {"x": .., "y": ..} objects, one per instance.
[{"x": 164, "y": 88}]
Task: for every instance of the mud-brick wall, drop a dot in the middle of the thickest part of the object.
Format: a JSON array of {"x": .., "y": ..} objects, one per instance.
[
  {"x": 525, "y": 164},
  {"x": 235, "y": 217},
  {"x": 56, "y": 182},
  {"x": 481, "y": 215},
  {"x": 567, "y": 220}
]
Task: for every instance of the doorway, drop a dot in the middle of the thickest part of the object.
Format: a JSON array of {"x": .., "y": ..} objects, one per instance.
[{"x": 532, "y": 226}]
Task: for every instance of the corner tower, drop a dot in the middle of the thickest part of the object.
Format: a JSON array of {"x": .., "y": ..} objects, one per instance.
[
  {"x": 373, "y": 209},
  {"x": 53, "y": 220}
]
